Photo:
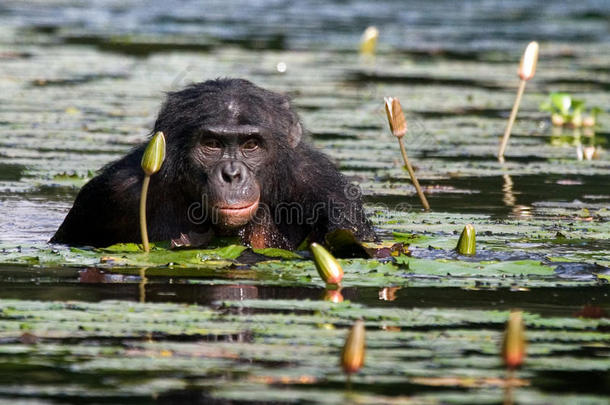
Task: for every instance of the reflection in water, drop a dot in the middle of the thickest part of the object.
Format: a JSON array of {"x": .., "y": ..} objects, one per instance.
[
  {"x": 507, "y": 189},
  {"x": 583, "y": 139},
  {"x": 522, "y": 211},
  {"x": 388, "y": 293},
  {"x": 509, "y": 395},
  {"x": 142, "y": 285},
  {"x": 509, "y": 199},
  {"x": 332, "y": 295},
  {"x": 162, "y": 292}
]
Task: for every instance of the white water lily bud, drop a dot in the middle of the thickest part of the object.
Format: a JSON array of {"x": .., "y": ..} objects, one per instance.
[
  {"x": 527, "y": 68},
  {"x": 368, "y": 42}
]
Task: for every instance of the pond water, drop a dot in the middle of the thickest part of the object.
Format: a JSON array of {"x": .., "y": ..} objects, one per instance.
[{"x": 81, "y": 83}]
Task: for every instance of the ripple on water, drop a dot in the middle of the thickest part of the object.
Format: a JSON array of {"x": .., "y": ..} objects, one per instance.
[{"x": 30, "y": 221}]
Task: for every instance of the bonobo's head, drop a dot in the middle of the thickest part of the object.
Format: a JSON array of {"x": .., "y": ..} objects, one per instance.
[{"x": 223, "y": 136}]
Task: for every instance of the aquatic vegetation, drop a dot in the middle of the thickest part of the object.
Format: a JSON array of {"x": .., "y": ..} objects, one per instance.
[
  {"x": 328, "y": 267},
  {"x": 513, "y": 342},
  {"x": 368, "y": 41},
  {"x": 352, "y": 355},
  {"x": 398, "y": 126},
  {"x": 527, "y": 69},
  {"x": 467, "y": 243},
  {"x": 566, "y": 110},
  {"x": 153, "y": 158}
]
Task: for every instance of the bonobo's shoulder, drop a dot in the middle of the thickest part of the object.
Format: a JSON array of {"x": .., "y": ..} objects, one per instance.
[
  {"x": 313, "y": 158},
  {"x": 122, "y": 176}
]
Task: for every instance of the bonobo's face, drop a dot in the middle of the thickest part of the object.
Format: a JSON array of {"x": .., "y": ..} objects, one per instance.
[{"x": 230, "y": 156}]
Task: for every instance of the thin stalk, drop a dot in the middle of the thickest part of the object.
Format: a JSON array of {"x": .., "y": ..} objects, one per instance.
[
  {"x": 143, "y": 228},
  {"x": 511, "y": 119},
  {"x": 422, "y": 197},
  {"x": 142, "y": 284},
  {"x": 508, "y": 387}
]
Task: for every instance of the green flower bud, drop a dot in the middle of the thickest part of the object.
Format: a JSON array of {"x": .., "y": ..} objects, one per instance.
[
  {"x": 513, "y": 344},
  {"x": 352, "y": 356},
  {"x": 154, "y": 154},
  {"x": 467, "y": 244},
  {"x": 328, "y": 267}
]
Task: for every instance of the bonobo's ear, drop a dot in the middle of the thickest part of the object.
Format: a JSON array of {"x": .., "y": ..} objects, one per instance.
[
  {"x": 295, "y": 134},
  {"x": 296, "y": 130}
]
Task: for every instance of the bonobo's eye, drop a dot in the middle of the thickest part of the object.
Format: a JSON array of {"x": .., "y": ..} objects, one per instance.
[
  {"x": 250, "y": 145},
  {"x": 211, "y": 143}
]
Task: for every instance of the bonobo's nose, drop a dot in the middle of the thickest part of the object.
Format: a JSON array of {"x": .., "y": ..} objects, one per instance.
[{"x": 232, "y": 172}]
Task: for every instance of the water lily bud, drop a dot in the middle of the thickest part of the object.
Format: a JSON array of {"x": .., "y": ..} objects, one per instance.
[
  {"x": 588, "y": 121},
  {"x": 396, "y": 118},
  {"x": 328, "y": 267},
  {"x": 467, "y": 244},
  {"x": 527, "y": 68},
  {"x": 352, "y": 356},
  {"x": 154, "y": 154},
  {"x": 368, "y": 42},
  {"x": 557, "y": 120},
  {"x": 513, "y": 345}
]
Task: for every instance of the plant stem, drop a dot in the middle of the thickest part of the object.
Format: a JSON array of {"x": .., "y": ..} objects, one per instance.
[
  {"x": 511, "y": 120},
  {"x": 143, "y": 228},
  {"x": 422, "y": 197},
  {"x": 508, "y": 387},
  {"x": 142, "y": 284}
]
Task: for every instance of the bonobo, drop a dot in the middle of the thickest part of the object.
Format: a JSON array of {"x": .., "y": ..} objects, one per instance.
[{"x": 236, "y": 165}]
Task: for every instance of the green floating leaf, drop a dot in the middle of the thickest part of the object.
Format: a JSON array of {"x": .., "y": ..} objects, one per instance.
[
  {"x": 578, "y": 106},
  {"x": 278, "y": 253}
]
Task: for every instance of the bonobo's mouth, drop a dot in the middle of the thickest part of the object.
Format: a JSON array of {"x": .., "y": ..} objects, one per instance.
[{"x": 236, "y": 215}]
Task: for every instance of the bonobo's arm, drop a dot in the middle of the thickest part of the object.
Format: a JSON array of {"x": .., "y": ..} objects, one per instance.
[
  {"x": 337, "y": 203},
  {"x": 106, "y": 208}
]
